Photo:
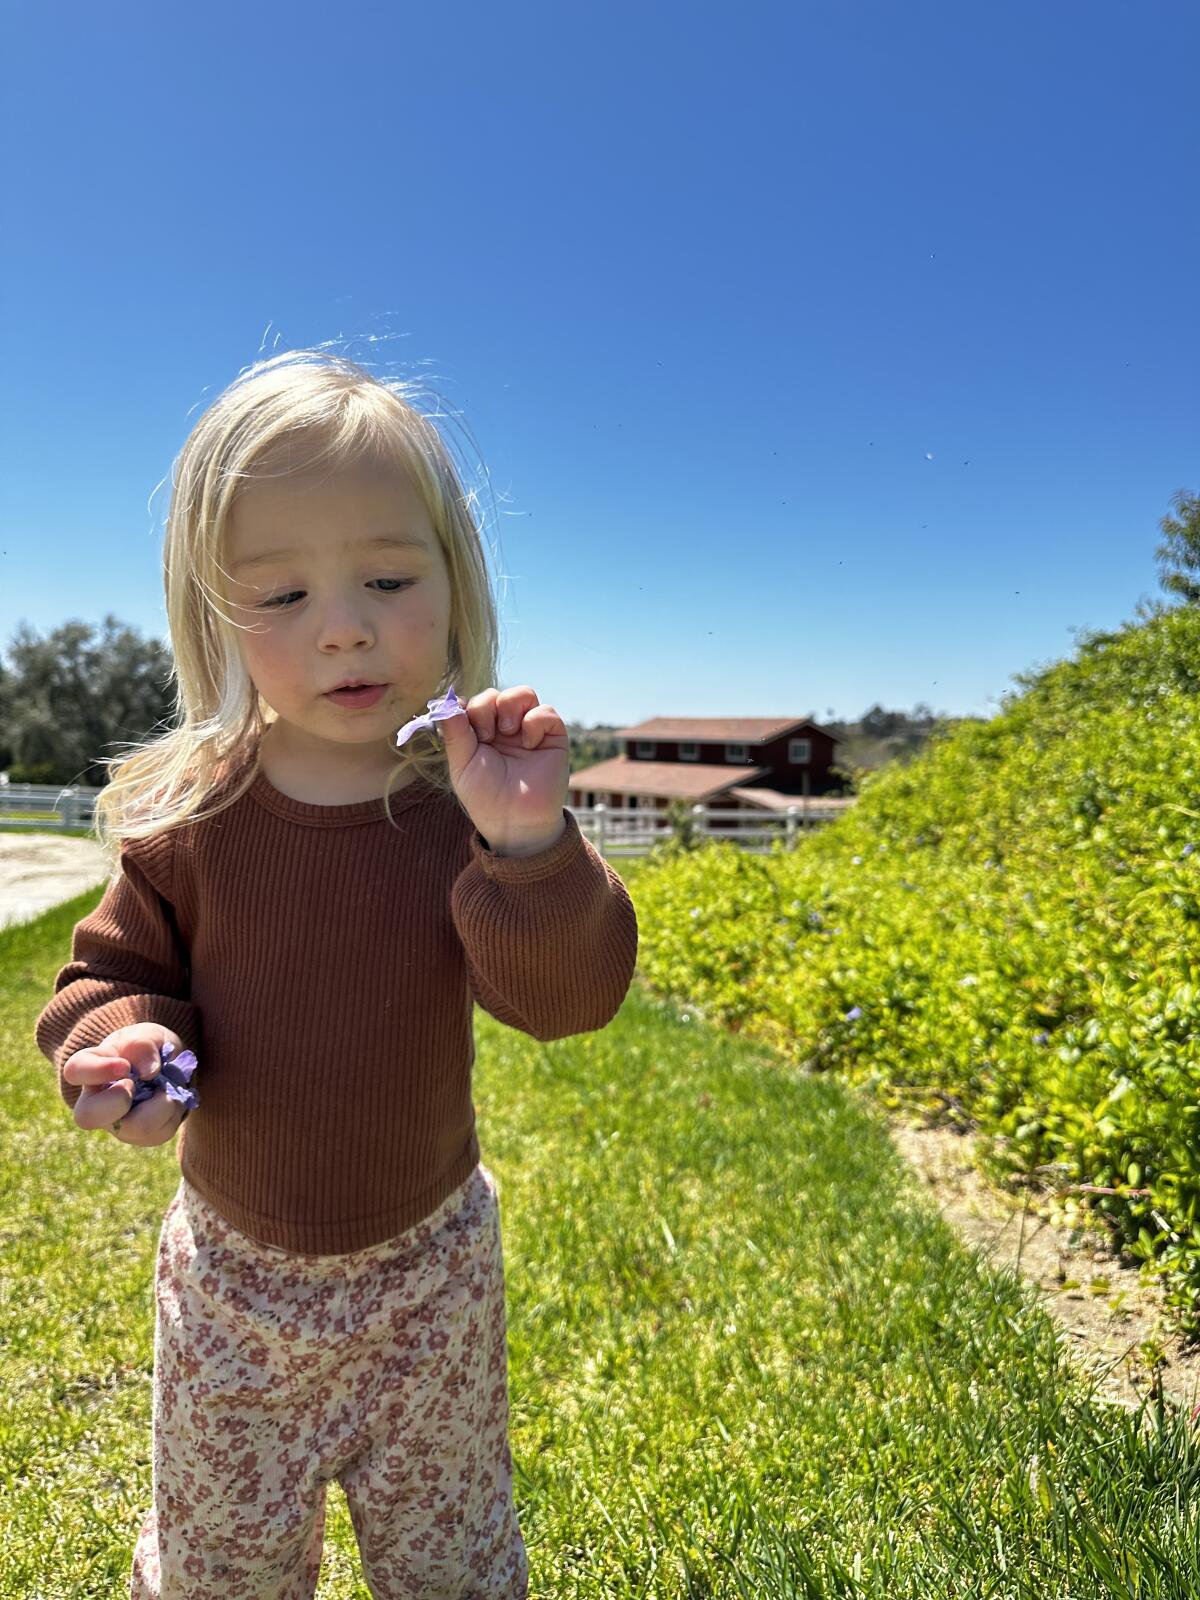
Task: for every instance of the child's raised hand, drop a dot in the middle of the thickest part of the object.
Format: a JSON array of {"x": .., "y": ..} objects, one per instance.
[
  {"x": 106, "y": 1071},
  {"x": 509, "y": 761}
]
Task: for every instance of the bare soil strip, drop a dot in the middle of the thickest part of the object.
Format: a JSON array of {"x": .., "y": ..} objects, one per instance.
[{"x": 1115, "y": 1321}]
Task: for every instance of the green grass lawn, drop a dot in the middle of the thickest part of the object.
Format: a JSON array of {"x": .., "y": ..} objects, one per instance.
[
  {"x": 747, "y": 1357},
  {"x": 57, "y": 830}
]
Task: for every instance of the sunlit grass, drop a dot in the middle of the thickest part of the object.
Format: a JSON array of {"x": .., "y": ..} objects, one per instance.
[
  {"x": 53, "y": 828},
  {"x": 746, "y": 1356}
]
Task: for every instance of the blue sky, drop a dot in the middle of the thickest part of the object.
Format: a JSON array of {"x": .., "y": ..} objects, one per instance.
[{"x": 819, "y": 353}]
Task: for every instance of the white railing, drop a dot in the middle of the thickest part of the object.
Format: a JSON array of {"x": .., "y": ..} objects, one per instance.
[
  {"x": 614, "y": 830},
  {"x": 49, "y": 806}
]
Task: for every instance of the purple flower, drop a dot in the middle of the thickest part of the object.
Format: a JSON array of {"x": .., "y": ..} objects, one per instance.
[
  {"x": 174, "y": 1075},
  {"x": 854, "y": 1013},
  {"x": 1188, "y": 848},
  {"x": 1041, "y": 1038},
  {"x": 448, "y": 706}
]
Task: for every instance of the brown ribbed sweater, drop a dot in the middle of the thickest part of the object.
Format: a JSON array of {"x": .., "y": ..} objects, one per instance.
[{"x": 322, "y": 965}]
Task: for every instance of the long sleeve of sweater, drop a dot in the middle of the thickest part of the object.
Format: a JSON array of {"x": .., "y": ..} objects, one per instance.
[
  {"x": 550, "y": 939},
  {"x": 128, "y": 964}
]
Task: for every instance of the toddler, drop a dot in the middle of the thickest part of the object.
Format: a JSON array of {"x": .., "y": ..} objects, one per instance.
[{"x": 312, "y": 883}]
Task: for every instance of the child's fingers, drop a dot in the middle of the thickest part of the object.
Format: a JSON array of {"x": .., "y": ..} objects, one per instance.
[
  {"x": 481, "y": 713},
  {"x": 100, "y": 1108},
  {"x": 96, "y": 1066},
  {"x": 153, "y": 1122}
]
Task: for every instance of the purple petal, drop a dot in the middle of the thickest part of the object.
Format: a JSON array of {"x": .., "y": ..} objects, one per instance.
[
  {"x": 449, "y": 705},
  {"x": 186, "y": 1097},
  {"x": 173, "y": 1076},
  {"x": 178, "y": 1073},
  {"x": 185, "y": 1062},
  {"x": 143, "y": 1089}
]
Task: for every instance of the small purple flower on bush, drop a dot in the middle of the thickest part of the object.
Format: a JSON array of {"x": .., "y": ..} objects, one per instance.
[
  {"x": 1041, "y": 1038},
  {"x": 174, "y": 1075},
  {"x": 1188, "y": 848},
  {"x": 439, "y": 709},
  {"x": 854, "y": 1013}
]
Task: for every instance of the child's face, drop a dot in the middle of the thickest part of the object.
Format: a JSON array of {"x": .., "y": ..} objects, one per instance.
[{"x": 333, "y": 607}]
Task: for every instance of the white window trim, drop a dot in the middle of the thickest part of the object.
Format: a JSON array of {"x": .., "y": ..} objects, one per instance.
[
  {"x": 732, "y": 752},
  {"x": 689, "y": 751},
  {"x": 800, "y": 750},
  {"x": 644, "y": 748}
]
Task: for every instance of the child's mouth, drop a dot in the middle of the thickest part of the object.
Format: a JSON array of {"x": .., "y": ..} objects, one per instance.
[{"x": 365, "y": 695}]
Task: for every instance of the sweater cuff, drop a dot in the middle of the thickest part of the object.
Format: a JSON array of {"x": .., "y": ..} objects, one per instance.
[{"x": 530, "y": 869}]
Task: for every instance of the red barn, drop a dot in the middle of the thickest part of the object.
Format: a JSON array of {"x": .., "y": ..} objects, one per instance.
[{"x": 726, "y": 763}]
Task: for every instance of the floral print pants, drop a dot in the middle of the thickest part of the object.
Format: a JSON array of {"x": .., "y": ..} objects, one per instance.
[{"x": 274, "y": 1373}]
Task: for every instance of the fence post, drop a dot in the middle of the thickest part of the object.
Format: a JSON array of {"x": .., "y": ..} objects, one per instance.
[
  {"x": 791, "y": 826},
  {"x": 701, "y": 821},
  {"x": 601, "y": 813}
]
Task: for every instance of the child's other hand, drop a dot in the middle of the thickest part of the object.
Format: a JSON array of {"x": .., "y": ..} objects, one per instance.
[
  {"x": 509, "y": 761},
  {"x": 105, "y": 1072}
]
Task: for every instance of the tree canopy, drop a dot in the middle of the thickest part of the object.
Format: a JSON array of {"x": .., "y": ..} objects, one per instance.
[{"x": 77, "y": 696}]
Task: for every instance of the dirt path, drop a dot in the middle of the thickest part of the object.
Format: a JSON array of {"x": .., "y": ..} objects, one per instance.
[
  {"x": 1108, "y": 1314},
  {"x": 37, "y": 870}
]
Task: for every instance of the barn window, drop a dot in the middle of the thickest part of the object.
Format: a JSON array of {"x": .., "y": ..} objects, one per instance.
[{"x": 800, "y": 750}]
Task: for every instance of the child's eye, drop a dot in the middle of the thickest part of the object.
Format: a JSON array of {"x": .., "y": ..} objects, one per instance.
[{"x": 277, "y": 602}]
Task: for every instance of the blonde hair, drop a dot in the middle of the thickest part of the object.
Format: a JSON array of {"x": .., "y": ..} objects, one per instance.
[{"x": 330, "y": 411}]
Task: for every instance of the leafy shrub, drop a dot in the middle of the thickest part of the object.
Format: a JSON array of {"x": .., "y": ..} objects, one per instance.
[{"x": 1008, "y": 925}]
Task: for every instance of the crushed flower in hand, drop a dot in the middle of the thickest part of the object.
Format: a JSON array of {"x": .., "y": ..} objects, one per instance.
[
  {"x": 174, "y": 1075},
  {"x": 448, "y": 706}
]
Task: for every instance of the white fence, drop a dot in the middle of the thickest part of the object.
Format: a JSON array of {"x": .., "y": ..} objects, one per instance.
[
  {"x": 52, "y": 807},
  {"x": 614, "y": 830}
]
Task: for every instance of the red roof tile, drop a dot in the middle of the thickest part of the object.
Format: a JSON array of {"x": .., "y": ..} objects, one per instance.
[{"x": 691, "y": 780}]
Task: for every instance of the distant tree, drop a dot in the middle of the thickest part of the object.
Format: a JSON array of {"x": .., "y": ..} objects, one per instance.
[
  {"x": 71, "y": 699},
  {"x": 1179, "y": 553},
  {"x": 878, "y": 723},
  {"x": 6, "y": 752},
  {"x": 590, "y": 745}
]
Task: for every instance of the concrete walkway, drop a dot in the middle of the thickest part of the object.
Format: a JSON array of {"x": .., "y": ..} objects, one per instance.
[{"x": 37, "y": 870}]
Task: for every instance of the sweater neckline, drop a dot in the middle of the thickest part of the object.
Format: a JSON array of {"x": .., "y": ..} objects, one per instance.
[{"x": 265, "y": 794}]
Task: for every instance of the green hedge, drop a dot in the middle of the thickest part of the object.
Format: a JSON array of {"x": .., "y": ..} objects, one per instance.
[{"x": 1007, "y": 925}]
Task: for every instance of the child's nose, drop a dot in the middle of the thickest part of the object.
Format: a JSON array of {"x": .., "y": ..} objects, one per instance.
[{"x": 343, "y": 624}]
